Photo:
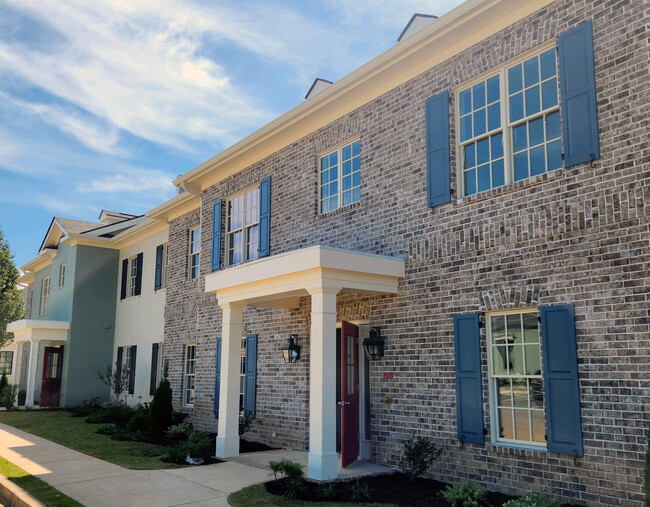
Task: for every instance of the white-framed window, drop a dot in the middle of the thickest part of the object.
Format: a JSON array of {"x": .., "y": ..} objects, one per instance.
[
  {"x": 45, "y": 295},
  {"x": 194, "y": 252},
  {"x": 6, "y": 361},
  {"x": 133, "y": 276},
  {"x": 243, "y": 229},
  {"x": 509, "y": 124},
  {"x": 242, "y": 373},
  {"x": 128, "y": 359},
  {"x": 340, "y": 177},
  {"x": 516, "y": 381},
  {"x": 189, "y": 374},
  {"x": 165, "y": 260},
  {"x": 62, "y": 275}
]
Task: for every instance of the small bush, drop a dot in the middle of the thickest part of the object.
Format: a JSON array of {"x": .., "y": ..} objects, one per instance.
[
  {"x": 419, "y": 455},
  {"x": 87, "y": 408},
  {"x": 106, "y": 429},
  {"x": 178, "y": 417},
  {"x": 122, "y": 435},
  {"x": 117, "y": 413},
  {"x": 464, "y": 494},
  {"x": 4, "y": 381},
  {"x": 245, "y": 422},
  {"x": 327, "y": 491},
  {"x": 8, "y": 396},
  {"x": 288, "y": 469},
  {"x": 180, "y": 431},
  {"x": 199, "y": 445},
  {"x": 359, "y": 492},
  {"x": 22, "y": 396},
  {"x": 176, "y": 454},
  {"x": 532, "y": 500},
  {"x": 140, "y": 421},
  {"x": 162, "y": 412}
]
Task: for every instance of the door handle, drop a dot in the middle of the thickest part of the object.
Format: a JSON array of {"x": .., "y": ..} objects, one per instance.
[{"x": 343, "y": 402}]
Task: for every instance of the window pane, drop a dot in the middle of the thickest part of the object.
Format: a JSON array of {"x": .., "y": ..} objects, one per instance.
[
  {"x": 504, "y": 392},
  {"x": 537, "y": 161},
  {"x": 478, "y": 94},
  {"x": 533, "y": 360},
  {"x": 470, "y": 156},
  {"x": 324, "y": 191},
  {"x": 466, "y": 128},
  {"x": 334, "y": 157},
  {"x": 539, "y": 427},
  {"x": 513, "y": 322},
  {"x": 465, "y": 101},
  {"x": 549, "y": 94},
  {"x": 522, "y": 425},
  {"x": 532, "y": 101},
  {"x": 554, "y": 151},
  {"x": 499, "y": 360},
  {"x": 356, "y": 148},
  {"x": 484, "y": 178},
  {"x": 356, "y": 164},
  {"x": 347, "y": 152},
  {"x": 324, "y": 163},
  {"x": 498, "y": 329},
  {"x": 514, "y": 79},
  {"x": 497, "y": 146},
  {"x": 536, "y": 131},
  {"x": 347, "y": 183},
  {"x": 505, "y": 423},
  {"x": 479, "y": 122},
  {"x": 519, "y": 138},
  {"x": 521, "y": 166},
  {"x": 483, "y": 151},
  {"x": 531, "y": 72},
  {"x": 552, "y": 125},
  {"x": 334, "y": 202},
  {"x": 520, "y": 392},
  {"x": 334, "y": 173},
  {"x": 498, "y": 177},
  {"x": 334, "y": 188},
  {"x": 493, "y": 90},
  {"x": 356, "y": 194},
  {"x": 347, "y": 167},
  {"x": 470, "y": 182},
  {"x": 537, "y": 393},
  {"x": 347, "y": 197},
  {"x": 547, "y": 63},
  {"x": 356, "y": 179},
  {"x": 516, "y": 107},
  {"x": 516, "y": 358},
  {"x": 324, "y": 177},
  {"x": 494, "y": 116},
  {"x": 531, "y": 328},
  {"x": 325, "y": 206}
]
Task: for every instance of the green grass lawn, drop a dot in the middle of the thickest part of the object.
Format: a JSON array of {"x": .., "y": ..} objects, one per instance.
[
  {"x": 73, "y": 432},
  {"x": 36, "y": 487},
  {"x": 257, "y": 496}
]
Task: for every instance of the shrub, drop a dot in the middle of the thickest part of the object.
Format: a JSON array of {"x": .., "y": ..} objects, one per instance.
[
  {"x": 87, "y": 408},
  {"x": 245, "y": 422},
  {"x": 288, "y": 469},
  {"x": 122, "y": 435},
  {"x": 106, "y": 429},
  {"x": 419, "y": 455},
  {"x": 112, "y": 412},
  {"x": 176, "y": 454},
  {"x": 199, "y": 445},
  {"x": 180, "y": 431},
  {"x": 327, "y": 491},
  {"x": 4, "y": 381},
  {"x": 359, "y": 492},
  {"x": 22, "y": 396},
  {"x": 8, "y": 396},
  {"x": 532, "y": 500},
  {"x": 140, "y": 421},
  {"x": 161, "y": 415},
  {"x": 178, "y": 417},
  {"x": 464, "y": 494}
]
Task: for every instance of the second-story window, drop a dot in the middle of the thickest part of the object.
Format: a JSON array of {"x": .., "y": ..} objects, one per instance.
[
  {"x": 340, "y": 177},
  {"x": 133, "y": 275},
  {"x": 243, "y": 227},
  {"x": 62, "y": 275},
  {"x": 194, "y": 252},
  {"x": 45, "y": 295}
]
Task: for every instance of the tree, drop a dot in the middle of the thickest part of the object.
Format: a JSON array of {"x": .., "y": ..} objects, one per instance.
[
  {"x": 11, "y": 301},
  {"x": 162, "y": 411},
  {"x": 117, "y": 380}
]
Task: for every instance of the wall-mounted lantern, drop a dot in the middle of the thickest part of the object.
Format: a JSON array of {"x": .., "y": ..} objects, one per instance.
[
  {"x": 291, "y": 351},
  {"x": 374, "y": 344}
]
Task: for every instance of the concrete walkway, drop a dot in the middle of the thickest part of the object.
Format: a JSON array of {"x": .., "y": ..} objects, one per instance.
[{"x": 97, "y": 483}]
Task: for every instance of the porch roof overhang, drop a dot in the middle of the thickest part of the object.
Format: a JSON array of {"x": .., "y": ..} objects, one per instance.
[
  {"x": 280, "y": 280},
  {"x": 39, "y": 330}
]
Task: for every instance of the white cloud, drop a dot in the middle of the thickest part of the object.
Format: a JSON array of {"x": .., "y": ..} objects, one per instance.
[{"x": 141, "y": 181}]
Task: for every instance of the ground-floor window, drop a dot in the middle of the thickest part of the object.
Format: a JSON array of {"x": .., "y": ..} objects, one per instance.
[
  {"x": 6, "y": 361},
  {"x": 242, "y": 374},
  {"x": 516, "y": 382},
  {"x": 189, "y": 375}
]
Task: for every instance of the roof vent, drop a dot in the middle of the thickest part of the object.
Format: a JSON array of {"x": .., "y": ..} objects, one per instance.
[
  {"x": 318, "y": 86},
  {"x": 417, "y": 23}
]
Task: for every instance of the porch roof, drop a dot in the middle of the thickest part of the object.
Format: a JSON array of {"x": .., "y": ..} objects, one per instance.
[
  {"x": 39, "y": 330},
  {"x": 280, "y": 280}
]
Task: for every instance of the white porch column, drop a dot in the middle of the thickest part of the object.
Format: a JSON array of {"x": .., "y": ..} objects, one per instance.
[
  {"x": 18, "y": 363},
  {"x": 30, "y": 383},
  {"x": 323, "y": 461},
  {"x": 228, "y": 427}
]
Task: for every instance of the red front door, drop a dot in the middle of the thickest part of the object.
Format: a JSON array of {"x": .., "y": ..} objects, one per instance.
[
  {"x": 51, "y": 384},
  {"x": 349, "y": 393}
]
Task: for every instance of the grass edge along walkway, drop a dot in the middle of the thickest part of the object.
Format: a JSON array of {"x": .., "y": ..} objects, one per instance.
[{"x": 36, "y": 487}]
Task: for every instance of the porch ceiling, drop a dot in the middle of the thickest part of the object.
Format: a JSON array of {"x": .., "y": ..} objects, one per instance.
[
  {"x": 279, "y": 281},
  {"x": 39, "y": 330}
]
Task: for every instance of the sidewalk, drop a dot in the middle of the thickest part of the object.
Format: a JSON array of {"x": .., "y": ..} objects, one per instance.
[{"x": 97, "y": 483}]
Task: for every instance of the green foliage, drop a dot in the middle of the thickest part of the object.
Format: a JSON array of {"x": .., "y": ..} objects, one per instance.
[
  {"x": 327, "y": 491},
  {"x": 11, "y": 300},
  {"x": 162, "y": 412},
  {"x": 176, "y": 454},
  {"x": 647, "y": 473},
  {"x": 245, "y": 422},
  {"x": 4, "y": 381},
  {"x": 288, "y": 469},
  {"x": 359, "y": 492},
  {"x": 122, "y": 435},
  {"x": 114, "y": 412},
  {"x": 180, "y": 431},
  {"x": 8, "y": 396},
  {"x": 22, "y": 396},
  {"x": 87, "y": 408},
  {"x": 106, "y": 429},
  {"x": 464, "y": 494},
  {"x": 419, "y": 455},
  {"x": 199, "y": 445},
  {"x": 178, "y": 417},
  {"x": 532, "y": 500},
  {"x": 141, "y": 420}
]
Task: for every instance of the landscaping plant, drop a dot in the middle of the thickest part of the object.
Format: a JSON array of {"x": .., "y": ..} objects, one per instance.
[
  {"x": 180, "y": 431},
  {"x": 359, "y": 492},
  {"x": 292, "y": 474},
  {"x": 117, "y": 380},
  {"x": 419, "y": 455},
  {"x": 464, "y": 494},
  {"x": 141, "y": 420},
  {"x": 245, "y": 422},
  {"x": 4, "y": 381},
  {"x": 533, "y": 500},
  {"x": 115, "y": 412},
  {"x": 162, "y": 411},
  {"x": 8, "y": 396}
]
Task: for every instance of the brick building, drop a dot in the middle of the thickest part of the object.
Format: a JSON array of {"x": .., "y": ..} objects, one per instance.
[{"x": 480, "y": 192}]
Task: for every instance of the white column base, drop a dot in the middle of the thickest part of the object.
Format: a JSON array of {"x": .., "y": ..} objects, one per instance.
[
  {"x": 323, "y": 467},
  {"x": 227, "y": 447}
]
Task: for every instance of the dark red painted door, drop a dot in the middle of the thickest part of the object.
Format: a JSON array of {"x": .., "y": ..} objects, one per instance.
[
  {"x": 349, "y": 393},
  {"x": 51, "y": 383}
]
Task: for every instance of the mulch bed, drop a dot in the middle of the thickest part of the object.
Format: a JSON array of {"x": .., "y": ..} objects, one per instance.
[
  {"x": 248, "y": 446},
  {"x": 394, "y": 488}
]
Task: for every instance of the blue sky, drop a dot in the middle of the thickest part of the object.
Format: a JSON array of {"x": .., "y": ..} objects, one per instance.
[{"x": 103, "y": 103}]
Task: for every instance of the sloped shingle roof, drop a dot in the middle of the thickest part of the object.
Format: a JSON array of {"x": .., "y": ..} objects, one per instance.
[{"x": 76, "y": 226}]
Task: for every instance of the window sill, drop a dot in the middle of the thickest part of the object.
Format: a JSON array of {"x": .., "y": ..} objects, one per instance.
[
  {"x": 517, "y": 450},
  {"x": 512, "y": 187},
  {"x": 338, "y": 211}
]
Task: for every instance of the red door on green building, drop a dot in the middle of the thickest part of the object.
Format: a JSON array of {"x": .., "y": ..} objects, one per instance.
[
  {"x": 349, "y": 393},
  {"x": 51, "y": 382}
]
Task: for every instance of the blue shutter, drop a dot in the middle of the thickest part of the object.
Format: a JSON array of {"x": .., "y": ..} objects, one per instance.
[
  {"x": 153, "y": 380},
  {"x": 578, "y": 90},
  {"x": 217, "y": 382},
  {"x": 469, "y": 389},
  {"x": 134, "y": 353},
  {"x": 138, "y": 277},
  {"x": 251, "y": 374},
  {"x": 216, "y": 235},
  {"x": 561, "y": 387},
  {"x": 159, "y": 260},
  {"x": 265, "y": 217},
  {"x": 125, "y": 272},
  {"x": 438, "y": 172}
]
